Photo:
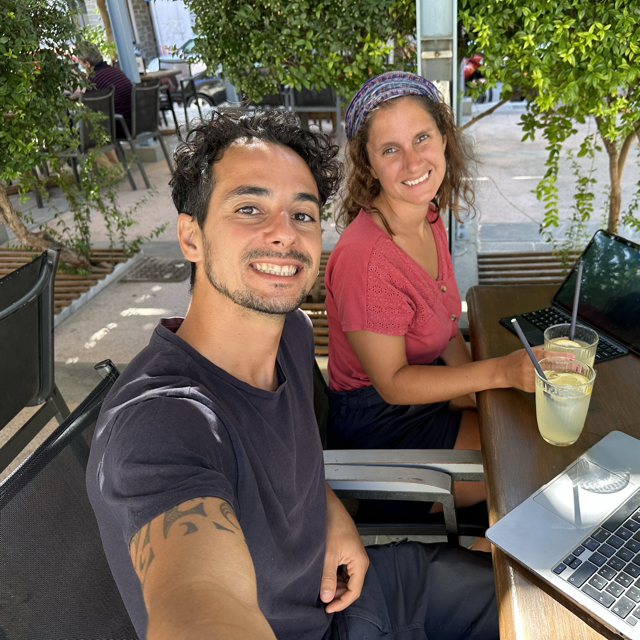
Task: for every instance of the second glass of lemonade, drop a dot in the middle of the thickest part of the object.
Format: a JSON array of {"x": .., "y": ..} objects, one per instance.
[
  {"x": 562, "y": 401},
  {"x": 583, "y": 345}
]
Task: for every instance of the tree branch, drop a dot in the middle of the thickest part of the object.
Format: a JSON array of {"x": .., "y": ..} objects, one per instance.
[
  {"x": 624, "y": 150},
  {"x": 488, "y": 112},
  {"x": 609, "y": 145}
]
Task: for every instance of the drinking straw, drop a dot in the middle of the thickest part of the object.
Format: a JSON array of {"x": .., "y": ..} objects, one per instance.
[
  {"x": 536, "y": 364},
  {"x": 576, "y": 299}
]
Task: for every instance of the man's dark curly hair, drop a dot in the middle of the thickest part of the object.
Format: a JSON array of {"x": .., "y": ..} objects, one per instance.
[{"x": 192, "y": 183}]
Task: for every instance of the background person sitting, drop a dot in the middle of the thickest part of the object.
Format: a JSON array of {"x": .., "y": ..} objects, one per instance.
[{"x": 102, "y": 76}]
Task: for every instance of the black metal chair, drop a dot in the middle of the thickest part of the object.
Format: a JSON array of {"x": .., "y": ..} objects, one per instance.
[
  {"x": 55, "y": 581},
  {"x": 166, "y": 103},
  {"x": 91, "y": 135},
  {"x": 189, "y": 94},
  {"x": 310, "y": 102},
  {"x": 145, "y": 108},
  {"x": 26, "y": 352}
]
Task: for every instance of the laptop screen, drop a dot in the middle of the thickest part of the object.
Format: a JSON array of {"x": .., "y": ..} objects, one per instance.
[{"x": 610, "y": 290}]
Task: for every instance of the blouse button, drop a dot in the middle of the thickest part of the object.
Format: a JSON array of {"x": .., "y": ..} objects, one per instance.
[
  {"x": 453, "y": 317},
  {"x": 443, "y": 288}
]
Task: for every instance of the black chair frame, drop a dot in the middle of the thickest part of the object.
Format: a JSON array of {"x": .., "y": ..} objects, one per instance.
[
  {"x": 307, "y": 101},
  {"x": 26, "y": 337},
  {"x": 144, "y": 123},
  {"x": 101, "y": 101},
  {"x": 56, "y": 582}
]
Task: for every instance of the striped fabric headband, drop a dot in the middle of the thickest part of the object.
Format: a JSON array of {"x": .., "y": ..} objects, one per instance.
[{"x": 386, "y": 86}]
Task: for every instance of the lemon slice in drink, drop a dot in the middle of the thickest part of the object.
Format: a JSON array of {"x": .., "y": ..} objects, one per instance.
[
  {"x": 565, "y": 342},
  {"x": 567, "y": 378}
]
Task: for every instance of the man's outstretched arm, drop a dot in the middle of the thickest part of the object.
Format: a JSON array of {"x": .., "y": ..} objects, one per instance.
[{"x": 197, "y": 576}]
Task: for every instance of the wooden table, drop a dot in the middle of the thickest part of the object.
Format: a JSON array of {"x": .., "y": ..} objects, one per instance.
[
  {"x": 518, "y": 461},
  {"x": 157, "y": 75}
]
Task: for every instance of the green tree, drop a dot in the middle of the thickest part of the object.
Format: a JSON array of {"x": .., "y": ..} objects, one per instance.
[
  {"x": 35, "y": 67},
  {"x": 337, "y": 43},
  {"x": 573, "y": 60}
]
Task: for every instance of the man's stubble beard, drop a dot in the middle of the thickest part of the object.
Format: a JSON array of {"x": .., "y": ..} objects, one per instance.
[{"x": 248, "y": 299}]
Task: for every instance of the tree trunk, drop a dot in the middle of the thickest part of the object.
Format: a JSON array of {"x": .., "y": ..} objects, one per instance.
[
  {"x": 614, "y": 177},
  {"x": 39, "y": 241},
  {"x": 106, "y": 21},
  {"x": 616, "y": 165}
]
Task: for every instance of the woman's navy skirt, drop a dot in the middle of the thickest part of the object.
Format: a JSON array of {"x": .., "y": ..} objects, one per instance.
[{"x": 361, "y": 419}]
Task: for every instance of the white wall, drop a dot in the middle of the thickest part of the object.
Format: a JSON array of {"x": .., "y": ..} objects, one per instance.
[{"x": 172, "y": 22}]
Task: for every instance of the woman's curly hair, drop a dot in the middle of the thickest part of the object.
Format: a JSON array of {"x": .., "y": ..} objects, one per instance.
[
  {"x": 193, "y": 181},
  {"x": 362, "y": 188}
]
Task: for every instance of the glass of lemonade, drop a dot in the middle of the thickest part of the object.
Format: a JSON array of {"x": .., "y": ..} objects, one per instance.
[
  {"x": 563, "y": 400},
  {"x": 583, "y": 345}
]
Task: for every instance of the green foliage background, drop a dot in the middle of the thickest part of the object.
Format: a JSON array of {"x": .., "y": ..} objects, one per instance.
[
  {"x": 572, "y": 59},
  {"x": 35, "y": 67},
  {"x": 337, "y": 43}
]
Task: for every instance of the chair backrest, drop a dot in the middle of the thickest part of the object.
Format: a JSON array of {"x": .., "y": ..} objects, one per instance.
[
  {"x": 182, "y": 66},
  {"x": 320, "y": 403},
  {"x": 145, "y": 107},
  {"x": 315, "y": 98},
  {"x": 26, "y": 335},
  {"x": 101, "y": 101},
  {"x": 188, "y": 87},
  {"x": 55, "y": 581}
]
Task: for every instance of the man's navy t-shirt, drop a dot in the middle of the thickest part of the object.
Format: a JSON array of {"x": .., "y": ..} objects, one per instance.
[{"x": 176, "y": 427}]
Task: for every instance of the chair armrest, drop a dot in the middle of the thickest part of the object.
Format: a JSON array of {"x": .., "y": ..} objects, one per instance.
[
  {"x": 460, "y": 464},
  {"x": 395, "y": 483}
]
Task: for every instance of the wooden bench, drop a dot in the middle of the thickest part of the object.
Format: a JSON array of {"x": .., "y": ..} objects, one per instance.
[
  {"x": 313, "y": 306},
  {"x": 541, "y": 267},
  {"x": 68, "y": 287}
]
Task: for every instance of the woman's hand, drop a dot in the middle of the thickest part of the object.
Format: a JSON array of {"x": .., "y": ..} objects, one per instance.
[{"x": 518, "y": 370}]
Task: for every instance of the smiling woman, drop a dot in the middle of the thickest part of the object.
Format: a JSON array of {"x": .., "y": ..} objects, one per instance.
[{"x": 392, "y": 301}]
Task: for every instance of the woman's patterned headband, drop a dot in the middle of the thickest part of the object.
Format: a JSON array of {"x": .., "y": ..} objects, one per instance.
[{"x": 386, "y": 86}]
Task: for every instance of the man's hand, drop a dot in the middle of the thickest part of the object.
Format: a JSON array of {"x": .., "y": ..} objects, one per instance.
[{"x": 345, "y": 560}]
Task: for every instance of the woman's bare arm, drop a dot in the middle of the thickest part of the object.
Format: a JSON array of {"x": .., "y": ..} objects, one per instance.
[{"x": 384, "y": 360}]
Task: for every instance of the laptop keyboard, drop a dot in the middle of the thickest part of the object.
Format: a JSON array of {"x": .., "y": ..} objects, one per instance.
[
  {"x": 606, "y": 566},
  {"x": 546, "y": 317}
]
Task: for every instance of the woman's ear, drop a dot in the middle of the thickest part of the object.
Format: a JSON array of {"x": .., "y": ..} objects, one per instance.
[
  {"x": 372, "y": 171},
  {"x": 189, "y": 237},
  {"x": 444, "y": 142}
]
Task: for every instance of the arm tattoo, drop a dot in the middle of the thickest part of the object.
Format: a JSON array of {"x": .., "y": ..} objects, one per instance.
[
  {"x": 227, "y": 511},
  {"x": 230, "y": 518},
  {"x": 174, "y": 514},
  {"x": 142, "y": 556}
]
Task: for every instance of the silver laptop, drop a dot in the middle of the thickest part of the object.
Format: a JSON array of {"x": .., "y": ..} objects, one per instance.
[{"x": 581, "y": 533}]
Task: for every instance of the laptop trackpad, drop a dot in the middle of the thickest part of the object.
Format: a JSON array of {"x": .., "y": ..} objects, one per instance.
[{"x": 586, "y": 493}]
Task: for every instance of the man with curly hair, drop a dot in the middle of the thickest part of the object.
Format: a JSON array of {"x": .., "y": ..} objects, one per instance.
[{"x": 206, "y": 471}]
